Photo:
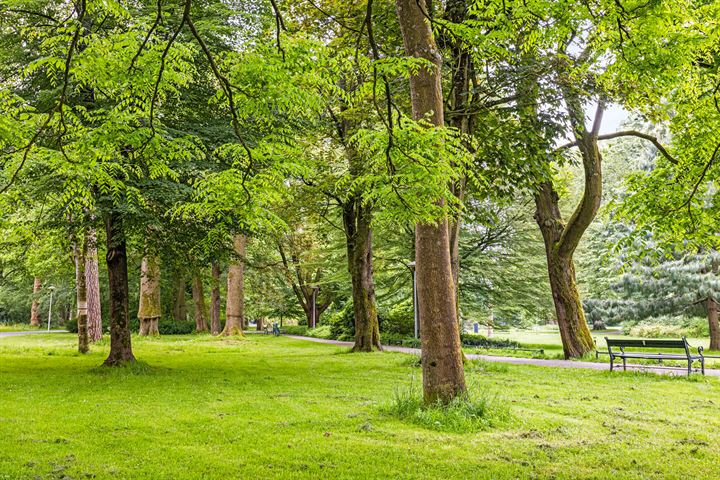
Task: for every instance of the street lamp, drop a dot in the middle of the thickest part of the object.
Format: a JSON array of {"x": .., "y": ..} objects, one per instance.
[
  {"x": 314, "y": 306},
  {"x": 416, "y": 317},
  {"x": 52, "y": 289}
]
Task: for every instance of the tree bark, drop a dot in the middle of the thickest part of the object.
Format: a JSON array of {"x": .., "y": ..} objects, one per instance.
[
  {"x": 92, "y": 283},
  {"x": 199, "y": 302},
  {"x": 259, "y": 324},
  {"x": 442, "y": 358},
  {"x": 179, "y": 304},
  {"x": 358, "y": 232},
  {"x": 235, "y": 303},
  {"x": 215, "y": 300},
  {"x": 35, "y": 307},
  {"x": 149, "y": 311},
  {"x": 574, "y": 331},
  {"x": 116, "y": 259},
  {"x": 712, "y": 315},
  {"x": 81, "y": 297}
]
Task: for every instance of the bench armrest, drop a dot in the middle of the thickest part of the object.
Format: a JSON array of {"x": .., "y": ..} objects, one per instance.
[{"x": 700, "y": 350}]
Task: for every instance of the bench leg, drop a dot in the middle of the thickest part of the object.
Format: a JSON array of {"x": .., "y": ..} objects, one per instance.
[
  {"x": 702, "y": 365},
  {"x": 612, "y": 362},
  {"x": 624, "y": 365},
  {"x": 689, "y": 367}
]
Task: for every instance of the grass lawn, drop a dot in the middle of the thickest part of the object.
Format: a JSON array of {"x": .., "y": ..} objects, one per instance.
[
  {"x": 269, "y": 407},
  {"x": 17, "y": 327}
]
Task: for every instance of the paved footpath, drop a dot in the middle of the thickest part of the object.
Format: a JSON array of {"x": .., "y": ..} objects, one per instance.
[
  {"x": 29, "y": 332},
  {"x": 539, "y": 362}
]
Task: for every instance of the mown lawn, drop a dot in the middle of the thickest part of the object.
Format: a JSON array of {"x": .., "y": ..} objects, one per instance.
[{"x": 270, "y": 407}]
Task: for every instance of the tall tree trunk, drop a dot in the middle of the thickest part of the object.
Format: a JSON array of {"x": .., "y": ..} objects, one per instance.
[
  {"x": 35, "y": 307},
  {"x": 198, "y": 294},
  {"x": 92, "y": 283},
  {"x": 149, "y": 310},
  {"x": 81, "y": 297},
  {"x": 712, "y": 314},
  {"x": 442, "y": 358},
  {"x": 179, "y": 304},
  {"x": 259, "y": 324},
  {"x": 235, "y": 302},
  {"x": 215, "y": 300},
  {"x": 358, "y": 231},
  {"x": 574, "y": 331},
  {"x": 116, "y": 259}
]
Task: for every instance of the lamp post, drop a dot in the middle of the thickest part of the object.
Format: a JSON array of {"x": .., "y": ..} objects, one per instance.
[
  {"x": 52, "y": 289},
  {"x": 314, "y": 306},
  {"x": 416, "y": 317}
]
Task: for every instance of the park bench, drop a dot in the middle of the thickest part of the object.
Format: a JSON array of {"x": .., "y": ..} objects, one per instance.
[{"x": 617, "y": 349}]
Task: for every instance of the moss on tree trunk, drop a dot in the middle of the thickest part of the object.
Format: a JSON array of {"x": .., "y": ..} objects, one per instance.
[
  {"x": 116, "y": 259},
  {"x": 149, "y": 310}
]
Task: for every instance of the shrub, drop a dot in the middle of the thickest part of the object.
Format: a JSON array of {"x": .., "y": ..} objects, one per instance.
[
  {"x": 295, "y": 329},
  {"x": 399, "y": 319},
  {"x": 323, "y": 331},
  {"x": 342, "y": 323},
  {"x": 473, "y": 340}
]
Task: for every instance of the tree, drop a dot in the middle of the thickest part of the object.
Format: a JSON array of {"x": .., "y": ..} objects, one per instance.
[
  {"x": 92, "y": 284},
  {"x": 200, "y": 308},
  {"x": 34, "y": 317},
  {"x": 235, "y": 306},
  {"x": 215, "y": 299},
  {"x": 442, "y": 360},
  {"x": 149, "y": 312}
]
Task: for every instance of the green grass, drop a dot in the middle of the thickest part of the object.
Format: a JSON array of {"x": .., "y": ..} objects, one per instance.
[
  {"x": 16, "y": 327},
  {"x": 267, "y": 407}
]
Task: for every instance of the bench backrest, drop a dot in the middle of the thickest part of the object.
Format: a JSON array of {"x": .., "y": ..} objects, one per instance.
[{"x": 647, "y": 343}]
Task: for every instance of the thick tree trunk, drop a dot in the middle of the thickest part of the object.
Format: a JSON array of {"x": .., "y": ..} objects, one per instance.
[
  {"x": 116, "y": 259},
  {"x": 235, "y": 303},
  {"x": 81, "y": 298},
  {"x": 35, "y": 307},
  {"x": 149, "y": 311},
  {"x": 215, "y": 300},
  {"x": 358, "y": 231},
  {"x": 442, "y": 358},
  {"x": 92, "y": 283},
  {"x": 712, "y": 314},
  {"x": 574, "y": 331},
  {"x": 179, "y": 304},
  {"x": 198, "y": 294},
  {"x": 259, "y": 324}
]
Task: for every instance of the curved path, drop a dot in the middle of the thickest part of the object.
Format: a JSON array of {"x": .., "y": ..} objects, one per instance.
[{"x": 538, "y": 362}]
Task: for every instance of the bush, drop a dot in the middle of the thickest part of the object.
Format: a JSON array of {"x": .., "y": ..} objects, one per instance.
[
  {"x": 399, "y": 319},
  {"x": 473, "y": 340},
  {"x": 166, "y": 326},
  {"x": 666, "y": 326},
  {"x": 323, "y": 331},
  {"x": 342, "y": 323},
  {"x": 294, "y": 329},
  {"x": 399, "y": 340}
]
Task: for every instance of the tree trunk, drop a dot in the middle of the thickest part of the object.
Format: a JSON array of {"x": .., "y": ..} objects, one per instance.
[
  {"x": 215, "y": 300},
  {"x": 259, "y": 324},
  {"x": 35, "y": 307},
  {"x": 116, "y": 259},
  {"x": 235, "y": 303},
  {"x": 149, "y": 311},
  {"x": 574, "y": 331},
  {"x": 442, "y": 358},
  {"x": 179, "y": 304},
  {"x": 81, "y": 296},
  {"x": 92, "y": 283},
  {"x": 712, "y": 314},
  {"x": 199, "y": 302},
  {"x": 358, "y": 231}
]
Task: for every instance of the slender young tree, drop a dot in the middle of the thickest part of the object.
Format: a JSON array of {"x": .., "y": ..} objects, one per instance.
[
  {"x": 179, "y": 312},
  {"x": 92, "y": 284},
  {"x": 198, "y": 294},
  {"x": 149, "y": 310},
  {"x": 215, "y": 299},
  {"x": 81, "y": 295},
  {"x": 442, "y": 358},
  {"x": 35, "y": 307}
]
